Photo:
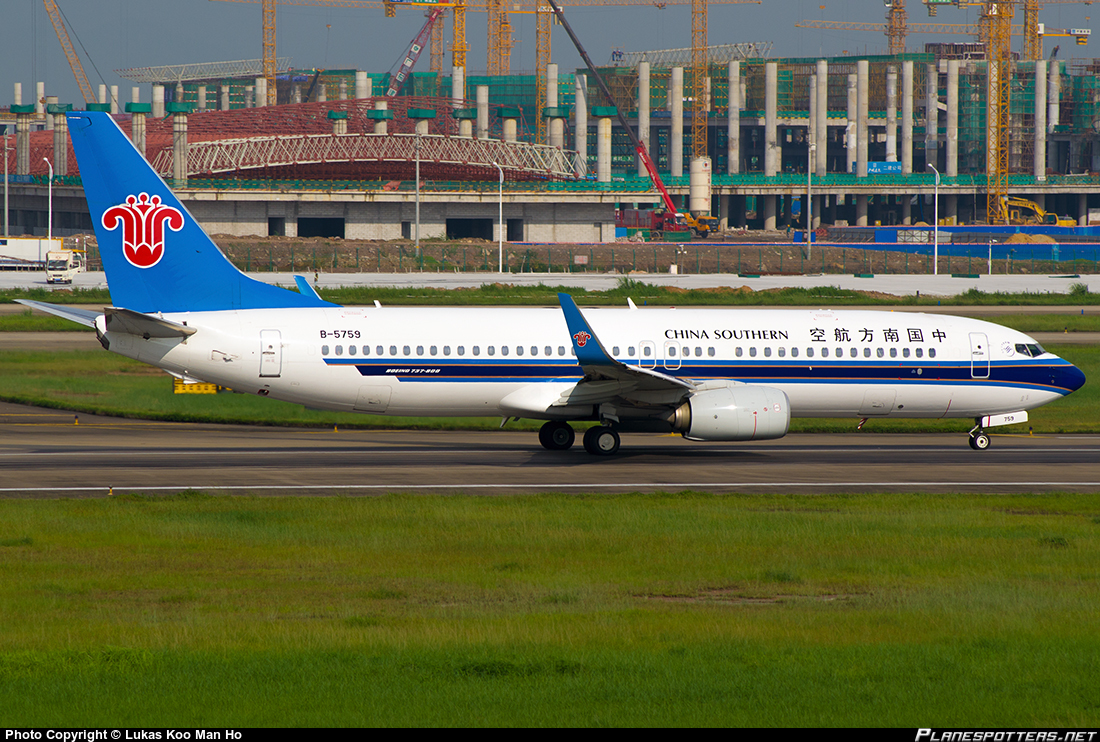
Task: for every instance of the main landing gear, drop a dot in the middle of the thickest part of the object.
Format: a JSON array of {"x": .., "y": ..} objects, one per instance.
[
  {"x": 979, "y": 441},
  {"x": 598, "y": 441}
]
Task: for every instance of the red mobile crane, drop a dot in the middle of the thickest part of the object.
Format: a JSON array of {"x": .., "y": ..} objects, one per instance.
[
  {"x": 413, "y": 53},
  {"x": 701, "y": 225}
]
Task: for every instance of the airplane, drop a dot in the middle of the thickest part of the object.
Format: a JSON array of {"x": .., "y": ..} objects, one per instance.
[{"x": 707, "y": 374}]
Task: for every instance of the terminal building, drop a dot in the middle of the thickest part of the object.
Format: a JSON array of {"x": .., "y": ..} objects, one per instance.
[{"x": 338, "y": 157}]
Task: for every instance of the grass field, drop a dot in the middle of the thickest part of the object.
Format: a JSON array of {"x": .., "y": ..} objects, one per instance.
[
  {"x": 97, "y": 382},
  {"x": 677, "y": 609}
]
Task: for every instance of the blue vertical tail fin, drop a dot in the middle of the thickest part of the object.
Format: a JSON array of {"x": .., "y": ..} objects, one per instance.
[{"x": 156, "y": 256}]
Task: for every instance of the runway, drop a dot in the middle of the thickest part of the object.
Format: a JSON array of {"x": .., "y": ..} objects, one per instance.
[{"x": 51, "y": 454}]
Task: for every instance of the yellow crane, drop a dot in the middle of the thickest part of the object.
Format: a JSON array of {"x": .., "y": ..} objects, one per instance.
[{"x": 70, "y": 53}]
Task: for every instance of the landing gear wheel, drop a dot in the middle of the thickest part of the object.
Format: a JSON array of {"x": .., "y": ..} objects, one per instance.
[
  {"x": 979, "y": 441},
  {"x": 556, "y": 436},
  {"x": 601, "y": 441}
]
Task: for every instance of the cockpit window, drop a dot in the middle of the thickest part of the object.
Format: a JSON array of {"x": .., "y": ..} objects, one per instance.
[{"x": 1030, "y": 349}]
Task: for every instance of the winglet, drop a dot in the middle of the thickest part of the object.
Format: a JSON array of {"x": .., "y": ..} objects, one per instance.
[
  {"x": 305, "y": 288},
  {"x": 589, "y": 349}
]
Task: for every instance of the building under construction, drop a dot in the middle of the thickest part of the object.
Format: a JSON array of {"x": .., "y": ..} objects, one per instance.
[{"x": 337, "y": 156}]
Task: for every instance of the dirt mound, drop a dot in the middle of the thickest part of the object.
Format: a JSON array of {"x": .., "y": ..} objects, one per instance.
[{"x": 1030, "y": 239}]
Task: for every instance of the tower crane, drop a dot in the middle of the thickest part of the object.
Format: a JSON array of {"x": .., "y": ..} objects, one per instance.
[{"x": 70, "y": 53}]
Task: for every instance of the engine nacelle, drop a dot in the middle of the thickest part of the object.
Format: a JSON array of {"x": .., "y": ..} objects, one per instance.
[{"x": 737, "y": 413}]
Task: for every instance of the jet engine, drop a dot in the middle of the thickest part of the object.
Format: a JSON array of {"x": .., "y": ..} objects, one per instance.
[{"x": 736, "y": 413}]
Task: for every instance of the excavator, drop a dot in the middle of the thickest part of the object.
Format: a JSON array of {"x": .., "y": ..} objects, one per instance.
[
  {"x": 1024, "y": 212},
  {"x": 701, "y": 225}
]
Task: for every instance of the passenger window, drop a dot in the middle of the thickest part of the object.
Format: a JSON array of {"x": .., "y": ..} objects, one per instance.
[
  {"x": 407, "y": 350},
  {"x": 351, "y": 350},
  {"x": 645, "y": 351},
  {"x": 904, "y": 352},
  {"x": 738, "y": 352},
  {"x": 893, "y": 352},
  {"x": 698, "y": 352},
  {"x": 809, "y": 352},
  {"x": 446, "y": 350},
  {"x": 710, "y": 352},
  {"x": 824, "y": 352},
  {"x": 477, "y": 350},
  {"x": 573, "y": 351},
  {"x": 324, "y": 350},
  {"x": 491, "y": 350},
  {"x": 561, "y": 350},
  {"x": 535, "y": 350},
  {"x": 339, "y": 350},
  {"x": 671, "y": 352},
  {"x": 752, "y": 352},
  {"x": 462, "y": 350},
  {"x": 794, "y": 352},
  {"x": 614, "y": 350},
  {"x": 630, "y": 351},
  {"x": 767, "y": 352},
  {"x": 880, "y": 352},
  {"x": 931, "y": 352},
  {"x": 420, "y": 350},
  {"x": 853, "y": 352},
  {"x": 393, "y": 350},
  {"x": 867, "y": 351},
  {"x": 549, "y": 350},
  {"x": 433, "y": 350},
  {"x": 519, "y": 350},
  {"x": 840, "y": 352},
  {"x": 782, "y": 352},
  {"x": 920, "y": 352}
]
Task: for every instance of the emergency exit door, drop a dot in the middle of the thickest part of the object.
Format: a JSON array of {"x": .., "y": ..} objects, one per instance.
[{"x": 979, "y": 355}]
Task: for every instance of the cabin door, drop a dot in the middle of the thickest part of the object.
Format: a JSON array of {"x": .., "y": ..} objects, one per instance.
[
  {"x": 271, "y": 353},
  {"x": 979, "y": 355}
]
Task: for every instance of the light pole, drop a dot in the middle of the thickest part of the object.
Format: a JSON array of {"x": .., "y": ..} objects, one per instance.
[
  {"x": 500, "y": 222},
  {"x": 810, "y": 199},
  {"x": 936, "y": 224},
  {"x": 6, "y": 150},
  {"x": 418, "y": 194},
  {"x": 49, "y": 212}
]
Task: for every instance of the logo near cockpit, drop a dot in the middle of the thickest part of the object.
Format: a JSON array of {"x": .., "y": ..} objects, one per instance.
[{"x": 143, "y": 220}]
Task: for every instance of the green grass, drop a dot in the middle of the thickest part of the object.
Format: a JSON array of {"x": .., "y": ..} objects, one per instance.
[
  {"x": 640, "y": 292},
  {"x": 97, "y": 382},
  {"x": 668, "y": 609}
]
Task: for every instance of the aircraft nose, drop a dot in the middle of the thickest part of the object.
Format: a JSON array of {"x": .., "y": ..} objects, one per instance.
[{"x": 1069, "y": 377}]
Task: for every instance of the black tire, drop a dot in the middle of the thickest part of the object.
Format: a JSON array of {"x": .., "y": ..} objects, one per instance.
[
  {"x": 601, "y": 441},
  {"x": 557, "y": 436},
  {"x": 979, "y": 442}
]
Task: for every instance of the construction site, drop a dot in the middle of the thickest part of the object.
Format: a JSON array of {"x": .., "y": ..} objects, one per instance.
[{"x": 988, "y": 131}]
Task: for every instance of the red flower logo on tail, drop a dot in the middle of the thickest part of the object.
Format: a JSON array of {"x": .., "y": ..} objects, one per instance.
[
  {"x": 582, "y": 338},
  {"x": 143, "y": 220}
]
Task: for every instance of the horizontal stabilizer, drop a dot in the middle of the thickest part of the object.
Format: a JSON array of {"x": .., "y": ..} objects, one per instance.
[
  {"x": 81, "y": 316},
  {"x": 144, "y": 325},
  {"x": 305, "y": 289}
]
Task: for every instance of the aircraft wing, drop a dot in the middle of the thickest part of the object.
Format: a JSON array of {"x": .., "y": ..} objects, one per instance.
[
  {"x": 74, "y": 314},
  {"x": 608, "y": 380}
]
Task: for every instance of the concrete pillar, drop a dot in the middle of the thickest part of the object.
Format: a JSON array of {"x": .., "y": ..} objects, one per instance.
[
  {"x": 951, "y": 167},
  {"x": 343, "y": 89},
  {"x": 818, "y": 205},
  {"x": 1040, "y": 164},
  {"x": 509, "y": 128},
  {"x": 863, "y": 110},
  {"x": 1082, "y": 209},
  {"x": 137, "y": 131},
  {"x": 821, "y": 129},
  {"x": 363, "y": 85},
  {"x": 60, "y": 144},
  {"x": 906, "y": 209},
  {"x": 699, "y": 193},
  {"x": 322, "y": 91},
  {"x": 482, "y": 111},
  {"x": 179, "y": 93},
  {"x": 18, "y": 99},
  {"x": 202, "y": 98},
  {"x": 51, "y": 100},
  {"x": 135, "y": 94},
  {"x": 643, "y": 113},
  {"x": 421, "y": 127},
  {"x": 892, "y": 114},
  {"x": 861, "y": 211},
  {"x": 296, "y": 93},
  {"x": 23, "y": 143},
  {"x": 932, "y": 115},
  {"x": 555, "y": 125},
  {"x": 223, "y": 97},
  {"x": 158, "y": 101},
  {"x": 769, "y": 212},
  {"x": 179, "y": 148},
  {"x": 771, "y": 120},
  {"x": 811, "y": 117},
  {"x": 340, "y": 126},
  {"x": 103, "y": 94},
  {"x": 733, "y": 125},
  {"x": 458, "y": 86},
  {"x": 250, "y": 96},
  {"x": 1054, "y": 95},
  {"x": 724, "y": 220},
  {"x": 380, "y": 126},
  {"x": 114, "y": 99},
  {"x": 603, "y": 149},
  {"x": 853, "y": 115},
  {"x": 676, "y": 145},
  {"x": 39, "y": 99},
  {"x": 907, "y": 120},
  {"x": 580, "y": 122},
  {"x": 261, "y": 92}
]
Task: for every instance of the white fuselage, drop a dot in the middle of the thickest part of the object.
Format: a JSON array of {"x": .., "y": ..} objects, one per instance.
[{"x": 465, "y": 361}]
